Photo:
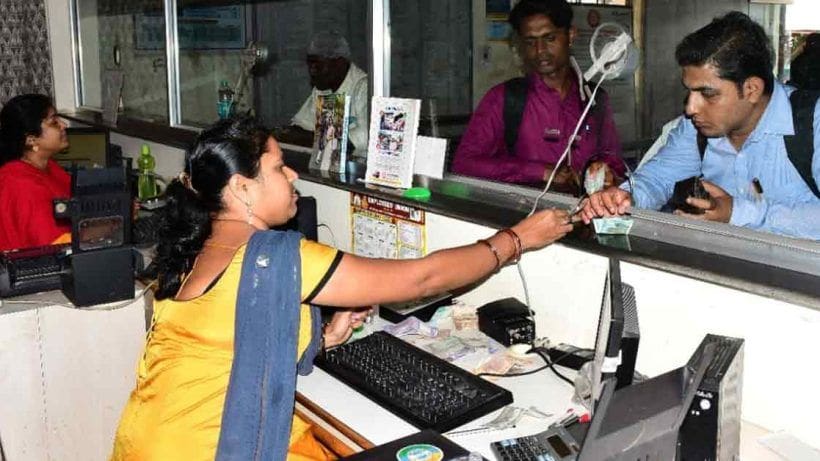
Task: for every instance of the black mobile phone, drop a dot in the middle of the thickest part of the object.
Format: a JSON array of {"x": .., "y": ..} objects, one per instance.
[{"x": 690, "y": 187}]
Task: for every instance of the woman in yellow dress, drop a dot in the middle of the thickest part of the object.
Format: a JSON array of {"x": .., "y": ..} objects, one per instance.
[{"x": 236, "y": 184}]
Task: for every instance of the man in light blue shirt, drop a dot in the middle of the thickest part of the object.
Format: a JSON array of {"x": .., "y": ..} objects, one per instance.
[{"x": 736, "y": 104}]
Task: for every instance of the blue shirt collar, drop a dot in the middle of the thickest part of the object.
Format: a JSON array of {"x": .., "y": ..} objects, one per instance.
[{"x": 777, "y": 118}]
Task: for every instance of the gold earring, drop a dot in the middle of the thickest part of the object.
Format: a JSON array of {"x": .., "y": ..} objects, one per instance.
[
  {"x": 35, "y": 148},
  {"x": 250, "y": 212}
]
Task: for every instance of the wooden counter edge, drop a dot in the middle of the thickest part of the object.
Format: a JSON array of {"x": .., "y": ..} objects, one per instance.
[{"x": 334, "y": 434}]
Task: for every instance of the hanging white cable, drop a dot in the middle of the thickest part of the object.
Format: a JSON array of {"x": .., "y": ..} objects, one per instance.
[
  {"x": 569, "y": 145},
  {"x": 546, "y": 188}
]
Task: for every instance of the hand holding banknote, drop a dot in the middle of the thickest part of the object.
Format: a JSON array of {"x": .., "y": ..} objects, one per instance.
[{"x": 609, "y": 202}]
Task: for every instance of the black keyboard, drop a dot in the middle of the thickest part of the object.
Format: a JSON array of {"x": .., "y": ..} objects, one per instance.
[{"x": 422, "y": 389}]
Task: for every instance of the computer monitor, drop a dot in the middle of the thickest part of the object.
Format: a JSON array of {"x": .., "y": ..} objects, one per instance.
[
  {"x": 88, "y": 147},
  {"x": 610, "y": 330},
  {"x": 306, "y": 220}
]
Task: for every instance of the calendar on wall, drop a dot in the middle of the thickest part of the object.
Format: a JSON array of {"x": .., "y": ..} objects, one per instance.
[{"x": 385, "y": 229}]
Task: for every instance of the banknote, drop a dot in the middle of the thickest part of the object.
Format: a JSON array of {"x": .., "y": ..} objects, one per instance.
[
  {"x": 593, "y": 182},
  {"x": 619, "y": 225}
]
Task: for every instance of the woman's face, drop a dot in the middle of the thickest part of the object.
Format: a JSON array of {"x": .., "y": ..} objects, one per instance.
[
  {"x": 52, "y": 138},
  {"x": 274, "y": 198}
]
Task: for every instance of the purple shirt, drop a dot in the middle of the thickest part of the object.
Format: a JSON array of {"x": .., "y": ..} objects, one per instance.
[{"x": 483, "y": 152}]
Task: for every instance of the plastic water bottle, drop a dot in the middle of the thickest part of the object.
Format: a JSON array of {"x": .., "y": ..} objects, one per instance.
[
  {"x": 146, "y": 183},
  {"x": 224, "y": 104}
]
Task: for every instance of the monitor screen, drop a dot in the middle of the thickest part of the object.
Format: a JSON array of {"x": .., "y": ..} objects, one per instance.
[
  {"x": 610, "y": 329},
  {"x": 87, "y": 147}
]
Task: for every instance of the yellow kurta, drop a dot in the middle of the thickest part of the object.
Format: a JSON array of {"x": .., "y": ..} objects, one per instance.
[{"x": 176, "y": 409}]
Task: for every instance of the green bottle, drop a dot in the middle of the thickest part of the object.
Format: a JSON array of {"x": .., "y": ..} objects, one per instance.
[{"x": 146, "y": 184}]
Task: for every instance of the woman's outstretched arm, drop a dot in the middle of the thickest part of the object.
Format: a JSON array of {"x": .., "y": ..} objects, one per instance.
[{"x": 364, "y": 281}]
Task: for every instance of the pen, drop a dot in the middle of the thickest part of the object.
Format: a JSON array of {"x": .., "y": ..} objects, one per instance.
[
  {"x": 578, "y": 206},
  {"x": 758, "y": 188}
]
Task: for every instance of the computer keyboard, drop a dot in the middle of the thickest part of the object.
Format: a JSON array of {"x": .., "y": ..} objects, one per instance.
[{"x": 422, "y": 389}]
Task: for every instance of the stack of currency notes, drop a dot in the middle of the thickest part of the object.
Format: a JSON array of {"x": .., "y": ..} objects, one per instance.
[{"x": 620, "y": 225}]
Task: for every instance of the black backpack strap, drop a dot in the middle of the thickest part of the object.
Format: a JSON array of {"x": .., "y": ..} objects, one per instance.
[
  {"x": 515, "y": 97},
  {"x": 800, "y": 146},
  {"x": 702, "y": 141}
]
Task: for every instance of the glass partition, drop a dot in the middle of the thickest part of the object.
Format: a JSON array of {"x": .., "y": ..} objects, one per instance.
[
  {"x": 256, "y": 53},
  {"x": 451, "y": 54},
  {"x": 448, "y": 54},
  {"x": 455, "y": 56},
  {"x": 431, "y": 59},
  {"x": 129, "y": 37}
]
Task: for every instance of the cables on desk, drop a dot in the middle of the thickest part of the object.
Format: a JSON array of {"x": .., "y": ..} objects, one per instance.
[{"x": 542, "y": 352}]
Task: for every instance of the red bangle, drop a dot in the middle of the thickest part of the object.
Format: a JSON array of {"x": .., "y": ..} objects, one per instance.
[
  {"x": 494, "y": 250},
  {"x": 517, "y": 248}
]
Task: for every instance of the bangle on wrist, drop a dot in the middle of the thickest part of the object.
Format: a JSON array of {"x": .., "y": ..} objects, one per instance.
[
  {"x": 494, "y": 250},
  {"x": 518, "y": 249}
]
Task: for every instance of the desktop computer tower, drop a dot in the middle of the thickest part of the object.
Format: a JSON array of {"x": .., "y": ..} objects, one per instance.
[{"x": 711, "y": 428}]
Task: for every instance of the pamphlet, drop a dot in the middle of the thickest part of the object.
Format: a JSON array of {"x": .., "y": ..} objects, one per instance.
[
  {"x": 394, "y": 123},
  {"x": 330, "y": 134}
]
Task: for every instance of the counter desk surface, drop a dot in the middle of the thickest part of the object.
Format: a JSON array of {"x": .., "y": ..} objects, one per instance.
[{"x": 352, "y": 417}]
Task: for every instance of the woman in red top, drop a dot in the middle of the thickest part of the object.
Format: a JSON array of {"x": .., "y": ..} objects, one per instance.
[{"x": 30, "y": 134}]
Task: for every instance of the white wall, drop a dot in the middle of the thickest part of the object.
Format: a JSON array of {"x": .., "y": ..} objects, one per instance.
[
  {"x": 169, "y": 160},
  {"x": 62, "y": 58},
  {"x": 89, "y": 25},
  {"x": 779, "y": 388}
]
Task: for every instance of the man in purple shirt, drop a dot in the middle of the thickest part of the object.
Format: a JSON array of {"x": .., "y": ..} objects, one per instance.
[{"x": 553, "y": 106}]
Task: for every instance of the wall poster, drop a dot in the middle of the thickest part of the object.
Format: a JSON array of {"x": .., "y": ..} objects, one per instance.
[
  {"x": 385, "y": 229},
  {"x": 199, "y": 28}
]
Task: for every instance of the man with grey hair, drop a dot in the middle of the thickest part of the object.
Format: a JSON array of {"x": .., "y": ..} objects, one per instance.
[{"x": 330, "y": 69}]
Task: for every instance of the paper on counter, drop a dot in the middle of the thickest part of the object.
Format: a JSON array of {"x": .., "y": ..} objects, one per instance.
[{"x": 430, "y": 155}]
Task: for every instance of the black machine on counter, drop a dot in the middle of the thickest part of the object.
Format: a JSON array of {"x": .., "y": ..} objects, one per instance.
[
  {"x": 101, "y": 265},
  {"x": 31, "y": 270}
]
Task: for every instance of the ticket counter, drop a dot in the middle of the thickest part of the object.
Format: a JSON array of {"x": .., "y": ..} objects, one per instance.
[{"x": 686, "y": 286}]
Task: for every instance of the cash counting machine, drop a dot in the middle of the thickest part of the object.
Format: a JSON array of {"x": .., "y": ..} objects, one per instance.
[
  {"x": 101, "y": 265},
  {"x": 98, "y": 266}
]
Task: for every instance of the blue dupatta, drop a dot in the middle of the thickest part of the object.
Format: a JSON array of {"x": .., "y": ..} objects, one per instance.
[{"x": 258, "y": 410}]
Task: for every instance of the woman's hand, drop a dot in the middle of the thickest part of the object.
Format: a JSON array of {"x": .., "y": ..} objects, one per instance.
[
  {"x": 341, "y": 325},
  {"x": 543, "y": 228}
]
